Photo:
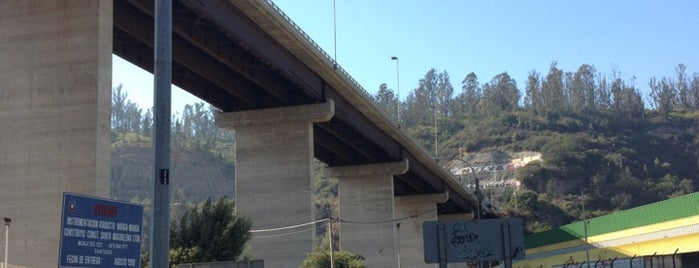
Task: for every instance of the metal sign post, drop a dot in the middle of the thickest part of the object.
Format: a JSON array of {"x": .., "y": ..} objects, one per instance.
[
  {"x": 506, "y": 244},
  {"x": 442, "y": 246},
  {"x": 162, "y": 72}
]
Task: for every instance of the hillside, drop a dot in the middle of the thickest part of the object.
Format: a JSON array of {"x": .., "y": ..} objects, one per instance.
[
  {"x": 568, "y": 145},
  {"x": 202, "y": 155},
  {"x": 570, "y": 161},
  {"x": 195, "y": 173}
]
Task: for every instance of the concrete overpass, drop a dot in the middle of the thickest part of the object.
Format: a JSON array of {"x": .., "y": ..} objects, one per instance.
[{"x": 287, "y": 100}]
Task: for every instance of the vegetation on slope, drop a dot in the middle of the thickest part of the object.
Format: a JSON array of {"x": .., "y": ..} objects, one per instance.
[{"x": 600, "y": 146}]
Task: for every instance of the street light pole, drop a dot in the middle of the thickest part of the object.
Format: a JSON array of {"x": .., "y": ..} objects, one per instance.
[
  {"x": 7, "y": 239},
  {"x": 335, "y": 35},
  {"x": 436, "y": 154},
  {"x": 478, "y": 193},
  {"x": 397, "y": 90}
]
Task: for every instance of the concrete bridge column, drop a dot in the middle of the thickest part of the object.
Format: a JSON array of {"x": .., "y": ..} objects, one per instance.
[
  {"x": 366, "y": 210},
  {"x": 274, "y": 157},
  {"x": 411, "y": 211},
  {"x": 55, "y": 92}
]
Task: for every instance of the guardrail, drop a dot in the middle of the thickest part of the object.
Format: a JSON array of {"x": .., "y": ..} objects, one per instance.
[{"x": 319, "y": 49}]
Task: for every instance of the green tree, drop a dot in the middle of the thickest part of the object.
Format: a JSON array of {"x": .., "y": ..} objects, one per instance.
[
  {"x": 533, "y": 99},
  {"x": 119, "y": 100},
  {"x": 444, "y": 102},
  {"x": 628, "y": 105},
  {"x": 147, "y": 123},
  {"x": 602, "y": 95},
  {"x": 684, "y": 97},
  {"x": 210, "y": 232},
  {"x": 663, "y": 95},
  {"x": 553, "y": 96},
  {"x": 342, "y": 259},
  {"x": 500, "y": 95},
  {"x": 527, "y": 200},
  {"x": 126, "y": 115},
  {"x": 694, "y": 91},
  {"x": 471, "y": 95},
  {"x": 582, "y": 91},
  {"x": 422, "y": 99},
  {"x": 387, "y": 101}
]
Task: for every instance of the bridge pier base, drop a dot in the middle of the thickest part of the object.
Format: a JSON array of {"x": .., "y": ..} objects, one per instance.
[
  {"x": 366, "y": 210},
  {"x": 274, "y": 161},
  {"x": 55, "y": 88},
  {"x": 413, "y": 210}
]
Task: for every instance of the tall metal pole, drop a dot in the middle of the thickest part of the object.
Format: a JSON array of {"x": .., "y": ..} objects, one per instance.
[
  {"x": 160, "y": 220},
  {"x": 587, "y": 249},
  {"x": 397, "y": 90},
  {"x": 436, "y": 156},
  {"x": 398, "y": 243},
  {"x": 7, "y": 239},
  {"x": 478, "y": 194},
  {"x": 332, "y": 250},
  {"x": 335, "y": 34}
]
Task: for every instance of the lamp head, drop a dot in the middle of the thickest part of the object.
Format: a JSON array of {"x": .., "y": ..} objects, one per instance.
[
  {"x": 394, "y": 58},
  {"x": 7, "y": 221}
]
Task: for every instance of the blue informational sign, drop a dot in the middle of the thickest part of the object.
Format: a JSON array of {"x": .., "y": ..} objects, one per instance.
[{"x": 98, "y": 232}]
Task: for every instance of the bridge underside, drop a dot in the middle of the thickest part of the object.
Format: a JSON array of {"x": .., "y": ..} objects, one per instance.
[
  {"x": 241, "y": 57},
  {"x": 229, "y": 62}
]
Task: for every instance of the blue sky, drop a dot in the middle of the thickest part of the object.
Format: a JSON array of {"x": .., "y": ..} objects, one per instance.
[{"x": 636, "y": 38}]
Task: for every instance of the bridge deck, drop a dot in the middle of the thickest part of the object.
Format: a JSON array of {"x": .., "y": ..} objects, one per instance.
[{"x": 244, "y": 54}]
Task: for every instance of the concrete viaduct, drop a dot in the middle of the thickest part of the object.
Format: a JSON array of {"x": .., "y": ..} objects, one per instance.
[{"x": 286, "y": 99}]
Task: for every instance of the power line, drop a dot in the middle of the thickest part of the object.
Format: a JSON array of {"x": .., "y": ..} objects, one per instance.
[
  {"x": 284, "y": 234},
  {"x": 289, "y": 227},
  {"x": 329, "y": 220},
  {"x": 387, "y": 221}
]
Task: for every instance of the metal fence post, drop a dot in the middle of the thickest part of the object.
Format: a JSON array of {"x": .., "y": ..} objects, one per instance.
[{"x": 673, "y": 257}]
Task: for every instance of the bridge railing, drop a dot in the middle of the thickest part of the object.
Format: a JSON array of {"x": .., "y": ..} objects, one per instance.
[
  {"x": 317, "y": 47},
  {"x": 339, "y": 69}
]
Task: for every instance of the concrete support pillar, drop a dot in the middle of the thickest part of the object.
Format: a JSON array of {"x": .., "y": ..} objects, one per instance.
[
  {"x": 411, "y": 211},
  {"x": 274, "y": 157},
  {"x": 366, "y": 210},
  {"x": 55, "y": 105}
]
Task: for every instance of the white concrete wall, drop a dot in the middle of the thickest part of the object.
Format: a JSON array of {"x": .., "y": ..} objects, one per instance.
[
  {"x": 274, "y": 158},
  {"x": 55, "y": 104},
  {"x": 411, "y": 211},
  {"x": 366, "y": 211}
]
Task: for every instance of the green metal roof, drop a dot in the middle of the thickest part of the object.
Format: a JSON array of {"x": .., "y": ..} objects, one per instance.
[{"x": 671, "y": 209}]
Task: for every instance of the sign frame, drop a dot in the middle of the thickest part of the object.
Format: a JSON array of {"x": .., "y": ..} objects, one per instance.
[
  {"x": 99, "y": 232},
  {"x": 472, "y": 241}
]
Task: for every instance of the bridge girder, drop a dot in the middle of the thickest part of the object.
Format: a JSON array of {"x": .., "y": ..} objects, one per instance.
[{"x": 226, "y": 60}]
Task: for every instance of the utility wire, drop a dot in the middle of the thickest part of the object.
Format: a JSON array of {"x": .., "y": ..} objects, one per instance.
[
  {"x": 284, "y": 234},
  {"x": 387, "y": 221},
  {"x": 328, "y": 220},
  {"x": 289, "y": 227}
]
